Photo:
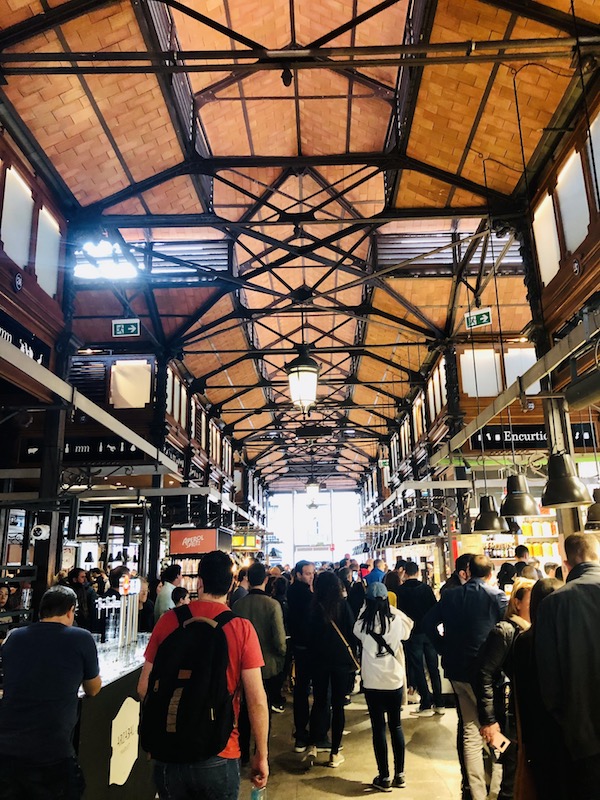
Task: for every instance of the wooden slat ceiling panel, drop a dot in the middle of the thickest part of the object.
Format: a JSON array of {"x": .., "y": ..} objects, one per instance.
[
  {"x": 314, "y": 20},
  {"x": 131, "y": 206},
  {"x": 226, "y": 129},
  {"x": 418, "y": 190},
  {"x": 429, "y": 295},
  {"x": 233, "y": 204},
  {"x": 272, "y": 124},
  {"x": 322, "y": 133},
  {"x": 342, "y": 178},
  {"x": 265, "y": 21},
  {"x": 368, "y": 125}
]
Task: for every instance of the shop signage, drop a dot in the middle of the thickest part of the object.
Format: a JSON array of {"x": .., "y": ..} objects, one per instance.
[
  {"x": 246, "y": 541},
  {"x": 125, "y": 327},
  {"x": 383, "y": 462},
  {"x": 192, "y": 540},
  {"x": 105, "y": 449},
  {"x": 527, "y": 437},
  {"x": 479, "y": 318},
  {"x": 124, "y": 740},
  {"x": 15, "y": 334}
]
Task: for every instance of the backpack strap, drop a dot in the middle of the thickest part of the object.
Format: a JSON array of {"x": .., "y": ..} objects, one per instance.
[
  {"x": 381, "y": 642},
  {"x": 224, "y": 617},
  {"x": 182, "y": 613}
]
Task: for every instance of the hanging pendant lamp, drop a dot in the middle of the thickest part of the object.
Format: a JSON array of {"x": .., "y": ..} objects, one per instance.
[
  {"x": 303, "y": 374},
  {"x": 417, "y": 531},
  {"x": 89, "y": 558},
  {"x": 593, "y": 515},
  {"x": 488, "y": 519},
  {"x": 518, "y": 502},
  {"x": 564, "y": 489},
  {"x": 407, "y": 536}
]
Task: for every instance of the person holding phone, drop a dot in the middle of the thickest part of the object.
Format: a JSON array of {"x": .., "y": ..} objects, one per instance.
[{"x": 495, "y": 703}]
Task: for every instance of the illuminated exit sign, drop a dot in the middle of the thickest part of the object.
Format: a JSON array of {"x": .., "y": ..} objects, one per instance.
[
  {"x": 479, "y": 318},
  {"x": 125, "y": 327}
]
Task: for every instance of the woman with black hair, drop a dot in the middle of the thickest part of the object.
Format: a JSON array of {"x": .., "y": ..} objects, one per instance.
[
  {"x": 381, "y": 630},
  {"x": 332, "y": 649}
]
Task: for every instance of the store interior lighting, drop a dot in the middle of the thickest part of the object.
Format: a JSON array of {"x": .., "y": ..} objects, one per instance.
[
  {"x": 488, "y": 520},
  {"x": 518, "y": 502}
]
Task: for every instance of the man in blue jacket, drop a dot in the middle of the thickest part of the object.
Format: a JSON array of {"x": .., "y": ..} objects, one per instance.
[{"x": 468, "y": 614}]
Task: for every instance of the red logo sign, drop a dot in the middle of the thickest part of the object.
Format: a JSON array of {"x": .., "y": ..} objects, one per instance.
[{"x": 185, "y": 541}]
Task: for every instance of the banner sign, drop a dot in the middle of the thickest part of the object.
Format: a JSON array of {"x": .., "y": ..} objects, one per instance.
[
  {"x": 192, "y": 540},
  {"x": 91, "y": 450},
  {"x": 15, "y": 334},
  {"x": 527, "y": 437}
]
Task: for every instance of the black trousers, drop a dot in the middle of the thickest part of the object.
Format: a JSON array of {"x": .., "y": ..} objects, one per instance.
[
  {"x": 244, "y": 720},
  {"x": 301, "y": 693},
  {"x": 21, "y": 780},
  {"x": 381, "y": 703},
  {"x": 329, "y": 686}
]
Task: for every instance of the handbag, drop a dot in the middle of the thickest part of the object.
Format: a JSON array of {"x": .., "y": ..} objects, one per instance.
[{"x": 348, "y": 648}]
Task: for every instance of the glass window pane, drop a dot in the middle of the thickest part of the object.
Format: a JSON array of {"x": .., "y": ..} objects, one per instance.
[
  {"x": 480, "y": 373},
  {"x": 17, "y": 213},
  {"x": 574, "y": 209},
  {"x": 443, "y": 381},
  {"x": 546, "y": 239},
  {"x": 169, "y": 391},
  {"x": 517, "y": 361},
  {"x": 47, "y": 252}
]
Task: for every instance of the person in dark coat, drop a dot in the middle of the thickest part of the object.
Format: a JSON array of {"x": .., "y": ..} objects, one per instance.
[
  {"x": 86, "y": 614},
  {"x": 538, "y": 732},
  {"x": 493, "y": 690},
  {"x": 332, "y": 651},
  {"x": 415, "y": 599},
  {"x": 468, "y": 614},
  {"x": 460, "y": 575},
  {"x": 299, "y": 596},
  {"x": 567, "y": 645}
]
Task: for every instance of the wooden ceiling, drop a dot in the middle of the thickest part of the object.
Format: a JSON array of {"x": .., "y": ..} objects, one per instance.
[{"x": 346, "y": 156}]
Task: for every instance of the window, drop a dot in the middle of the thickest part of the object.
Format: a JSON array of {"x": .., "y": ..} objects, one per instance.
[
  {"x": 130, "y": 383},
  {"x": 594, "y": 154},
  {"x": 170, "y": 379},
  {"x": 17, "y": 213},
  {"x": 518, "y": 360},
  {"x": 443, "y": 388},
  {"x": 572, "y": 199},
  {"x": 546, "y": 240},
  {"x": 47, "y": 252},
  {"x": 480, "y": 372},
  {"x": 418, "y": 417}
]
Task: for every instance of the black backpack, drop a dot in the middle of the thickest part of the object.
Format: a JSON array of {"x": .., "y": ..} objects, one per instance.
[{"x": 187, "y": 714}]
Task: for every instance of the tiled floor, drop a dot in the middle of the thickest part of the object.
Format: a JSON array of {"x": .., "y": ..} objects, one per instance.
[{"x": 432, "y": 771}]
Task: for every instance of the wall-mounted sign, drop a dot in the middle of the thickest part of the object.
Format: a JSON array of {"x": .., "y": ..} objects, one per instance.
[
  {"x": 192, "y": 540},
  {"x": 527, "y": 437},
  {"x": 478, "y": 318},
  {"x": 125, "y": 327},
  {"x": 244, "y": 541},
  {"x": 124, "y": 739},
  {"x": 105, "y": 449},
  {"x": 15, "y": 334}
]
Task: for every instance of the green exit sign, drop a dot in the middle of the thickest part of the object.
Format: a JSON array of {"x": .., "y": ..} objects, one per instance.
[
  {"x": 479, "y": 318},
  {"x": 125, "y": 327}
]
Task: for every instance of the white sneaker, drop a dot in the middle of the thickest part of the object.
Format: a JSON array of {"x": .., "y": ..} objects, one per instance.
[
  {"x": 439, "y": 710},
  {"x": 413, "y": 697},
  {"x": 335, "y": 760},
  {"x": 423, "y": 712},
  {"x": 310, "y": 756}
]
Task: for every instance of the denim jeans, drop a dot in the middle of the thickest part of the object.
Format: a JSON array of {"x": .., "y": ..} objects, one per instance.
[
  {"x": 213, "y": 779},
  {"x": 381, "y": 702},
  {"x": 60, "y": 781}
]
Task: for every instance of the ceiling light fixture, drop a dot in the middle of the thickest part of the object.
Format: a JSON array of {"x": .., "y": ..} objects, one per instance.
[
  {"x": 303, "y": 375},
  {"x": 564, "y": 488}
]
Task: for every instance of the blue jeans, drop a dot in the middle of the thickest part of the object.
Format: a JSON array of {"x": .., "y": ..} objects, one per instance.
[{"x": 215, "y": 778}]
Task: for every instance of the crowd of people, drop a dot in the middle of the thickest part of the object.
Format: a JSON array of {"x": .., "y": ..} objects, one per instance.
[{"x": 521, "y": 653}]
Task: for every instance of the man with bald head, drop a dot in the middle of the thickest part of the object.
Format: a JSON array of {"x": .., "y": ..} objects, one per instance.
[{"x": 567, "y": 644}]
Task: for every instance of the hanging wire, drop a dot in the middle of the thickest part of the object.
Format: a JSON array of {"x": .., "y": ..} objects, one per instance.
[{"x": 500, "y": 331}]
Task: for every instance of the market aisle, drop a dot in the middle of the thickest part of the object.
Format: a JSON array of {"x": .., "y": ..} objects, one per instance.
[{"x": 432, "y": 771}]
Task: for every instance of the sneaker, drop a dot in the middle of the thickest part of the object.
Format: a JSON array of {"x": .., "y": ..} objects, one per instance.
[
  {"x": 335, "y": 759},
  {"x": 439, "y": 710},
  {"x": 278, "y": 709},
  {"x": 412, "y": 697},
  {"x": 300, "y": 746},
  {"x": 382, "y": 784},
  {"x": 399, "y": 782},
  {"x": 310, "y": 756},
  {"x": 423, "y": 712}
]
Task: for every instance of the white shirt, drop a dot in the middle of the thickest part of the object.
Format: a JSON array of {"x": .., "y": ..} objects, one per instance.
[{"x": 384, "y": 672}]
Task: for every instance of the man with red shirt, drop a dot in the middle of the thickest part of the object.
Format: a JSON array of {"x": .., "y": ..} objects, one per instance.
[{"x": 219, "y": 776}]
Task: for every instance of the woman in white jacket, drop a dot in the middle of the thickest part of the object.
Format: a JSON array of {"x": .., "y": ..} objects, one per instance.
[{"x": 381, "y": 630}]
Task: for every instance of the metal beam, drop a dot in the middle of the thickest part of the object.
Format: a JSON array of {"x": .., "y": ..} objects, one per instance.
[
  {"x": 41, "y": 23},
  {"x": 540, "y": 12},
  {"x": 578, "y": 337}
]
